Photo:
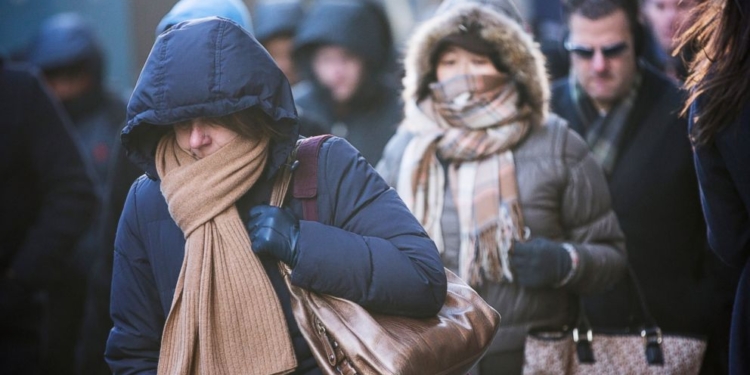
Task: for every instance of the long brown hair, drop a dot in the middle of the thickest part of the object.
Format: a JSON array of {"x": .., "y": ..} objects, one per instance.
[{"x": 720, "y": 72}]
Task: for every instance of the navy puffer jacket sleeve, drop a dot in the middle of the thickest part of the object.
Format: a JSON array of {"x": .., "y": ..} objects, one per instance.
[{"x": 368, "y": 247}]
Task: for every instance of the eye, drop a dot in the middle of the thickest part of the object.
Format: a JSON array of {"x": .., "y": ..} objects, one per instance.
[
  {"x": 182, "y": 126},
  {"x": 447, "y": 61},
  {"x": 480, "y": 61}
]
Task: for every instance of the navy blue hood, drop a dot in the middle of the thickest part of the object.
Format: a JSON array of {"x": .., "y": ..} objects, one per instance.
[
  {"x": 207, "y": 67},
  {"x": 360, "y": 26},
  {"x": 277, "y": 17},
  {"x": 63, "y": 40}
]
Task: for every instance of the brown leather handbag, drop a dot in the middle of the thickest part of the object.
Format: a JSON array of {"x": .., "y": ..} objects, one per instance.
[{"x": 347, "y": 339}]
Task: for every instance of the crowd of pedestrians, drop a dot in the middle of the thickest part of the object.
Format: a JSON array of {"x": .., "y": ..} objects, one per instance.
[{"x": 539, "y": 155}]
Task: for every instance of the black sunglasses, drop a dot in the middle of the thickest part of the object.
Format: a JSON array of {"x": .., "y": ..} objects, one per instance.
[{"x": 588, "y": 52}]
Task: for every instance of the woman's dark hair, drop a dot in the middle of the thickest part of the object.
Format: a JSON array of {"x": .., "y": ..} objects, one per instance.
[
  {"x": 720, "y": 72},
  {"x": 251, "y": 123}
]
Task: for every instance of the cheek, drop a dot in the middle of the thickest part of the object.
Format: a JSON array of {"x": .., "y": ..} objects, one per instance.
[
  {"x": 444, "y": 73},
  {"x": 581, "y": 67},
  {"x": 324, "y": 71},
  {"x": 183, "y": 139},
  {"x": 485, "y": 70},
  {"x": 353, "y": 73}
]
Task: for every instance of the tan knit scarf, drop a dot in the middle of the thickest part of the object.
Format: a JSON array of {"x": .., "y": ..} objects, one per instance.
[
  {"x": 225, "y": 316},
  {"x": 472, "y": 122}
]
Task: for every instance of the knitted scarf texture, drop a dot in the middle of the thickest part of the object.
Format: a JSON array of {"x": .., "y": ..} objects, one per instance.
[
  {"x": 225, "y": 317},
  {"x": 469, "y": 123}
]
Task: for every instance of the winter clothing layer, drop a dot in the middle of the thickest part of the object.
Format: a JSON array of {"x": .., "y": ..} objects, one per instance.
[
  {"x": 562, "y": 191},
  {"x": 515, "y": 54},
  {"x": 367, "y": 247},
  {"x": 185, "y": 10},
  {"x": 563, "y": 197},
  {"x": 277, "y": 17},
  {"x": 370, "y": 118},
  {"x": 65, "y": 41},
  {"x": 655, "y": 195},
  {"x": 220, "y": 281},
  {"x": 723, "y": 169},
  {"x": 476, "y": 138},
  {"x": 47, "y": 203}
]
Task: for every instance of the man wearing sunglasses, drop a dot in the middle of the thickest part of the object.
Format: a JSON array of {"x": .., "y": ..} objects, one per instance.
[{"x": 627, "y": 112}]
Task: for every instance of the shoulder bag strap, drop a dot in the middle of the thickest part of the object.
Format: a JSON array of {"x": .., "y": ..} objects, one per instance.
[{"x": 306, "y": 175}]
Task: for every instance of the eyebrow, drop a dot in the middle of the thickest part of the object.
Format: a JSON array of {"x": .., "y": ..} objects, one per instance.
[{"x": 609, "y": 51}]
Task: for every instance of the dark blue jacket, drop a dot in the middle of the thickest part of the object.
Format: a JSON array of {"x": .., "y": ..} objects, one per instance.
[
  {"x": 724, "y": 174},
  {"x": 655, "y": 196},
  {"x": 367, "y": 247},
  {"x": 46, "y": 196}
]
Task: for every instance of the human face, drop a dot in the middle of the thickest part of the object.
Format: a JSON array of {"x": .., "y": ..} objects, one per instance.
[
  {"x": 606, "y": 79},
  {"x": 201, "y": 138},
  {"x": 70, "y": 86},
  {"x": 339, "y": 70},
  {"x": 455, "y": 61},
  {"x": 666, "y": 18},
  {"x": 280, "y": 49}
]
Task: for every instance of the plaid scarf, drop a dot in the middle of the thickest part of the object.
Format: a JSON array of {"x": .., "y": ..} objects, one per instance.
[
  {"x": 604, "y": 132},
  {"x": 472, "y": 122}
]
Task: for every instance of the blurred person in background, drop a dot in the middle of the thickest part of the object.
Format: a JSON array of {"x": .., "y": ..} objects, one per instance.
[
  {"x": 628, "y": 113},
  {"x": 665, "y": 19},
  {"x": 719, "y": 115},
  {"x": 516, "y": 204},
  {"x": 345, "y": 53},
  {"x": 276, "y": 23},
  {"x": 46, "y": 203},
  {"x": 72, "y": 62}
]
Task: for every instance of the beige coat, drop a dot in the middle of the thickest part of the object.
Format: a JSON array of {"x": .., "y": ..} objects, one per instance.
[{"x": 563, "y": 192}]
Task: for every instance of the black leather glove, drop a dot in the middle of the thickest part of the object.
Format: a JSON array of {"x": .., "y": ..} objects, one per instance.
[
  {"x": 274, "y": 231},
  {"x": 539, "y": 263}
]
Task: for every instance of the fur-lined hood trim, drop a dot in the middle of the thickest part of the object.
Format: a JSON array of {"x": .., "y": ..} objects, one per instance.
[{"x": 516, "y": 50}]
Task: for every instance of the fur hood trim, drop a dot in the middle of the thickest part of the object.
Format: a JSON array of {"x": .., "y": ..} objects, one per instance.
[{"x": 515, "y": 50}]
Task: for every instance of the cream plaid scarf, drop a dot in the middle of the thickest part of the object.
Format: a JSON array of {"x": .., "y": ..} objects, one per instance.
[
  {"x": 225, "y": 316},
  {"x": 472, "y": 122}
]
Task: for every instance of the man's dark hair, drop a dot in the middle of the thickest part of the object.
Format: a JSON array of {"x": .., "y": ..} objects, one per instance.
[{"x": 596, "y": 9}]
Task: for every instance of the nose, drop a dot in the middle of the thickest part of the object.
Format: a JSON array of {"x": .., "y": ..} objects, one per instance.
[
  {"x": 198, "y": 136},
  {"x": 465, "y": 68},
  {"x": 598, "y": 61}
]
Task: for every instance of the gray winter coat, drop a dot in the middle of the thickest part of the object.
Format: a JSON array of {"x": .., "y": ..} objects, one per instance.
[{"x": 562, "y": 190}]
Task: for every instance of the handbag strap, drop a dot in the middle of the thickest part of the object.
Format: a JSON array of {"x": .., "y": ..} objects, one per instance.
[
  {"x": 306, "y": 176},
  {"x": 650, "y": 331},
  {"x": 302, "y": 165}
]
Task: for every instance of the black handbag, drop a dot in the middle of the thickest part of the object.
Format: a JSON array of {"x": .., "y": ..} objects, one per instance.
[{"x": 583, "y": 350}]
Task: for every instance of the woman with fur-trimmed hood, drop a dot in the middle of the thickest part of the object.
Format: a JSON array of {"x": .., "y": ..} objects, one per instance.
[{"x": 512, "y": 197}]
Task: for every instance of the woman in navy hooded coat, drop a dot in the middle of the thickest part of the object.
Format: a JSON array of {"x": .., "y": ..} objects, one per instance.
[{"x": 366, "y": 246}]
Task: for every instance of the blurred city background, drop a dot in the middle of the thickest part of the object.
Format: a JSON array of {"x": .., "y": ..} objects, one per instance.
[{"x": 126, "y": 28}]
